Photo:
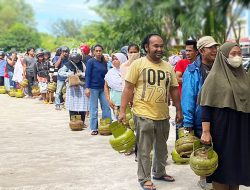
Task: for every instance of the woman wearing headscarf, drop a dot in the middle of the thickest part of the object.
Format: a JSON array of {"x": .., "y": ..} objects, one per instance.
[
  {"x": 133, "y": 54},
  {"x": 18, "y": 70},
  {"x": 113, "y": 82},
  {"x": 77, "y": 103},
  {"x": 225, "y": 101}
]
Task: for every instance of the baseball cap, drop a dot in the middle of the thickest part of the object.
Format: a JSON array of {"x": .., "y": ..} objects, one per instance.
[{"x": 206, "y": 41}]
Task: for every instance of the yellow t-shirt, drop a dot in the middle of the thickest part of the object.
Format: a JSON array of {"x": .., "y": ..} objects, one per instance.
[{"x": 152, "y": 82}]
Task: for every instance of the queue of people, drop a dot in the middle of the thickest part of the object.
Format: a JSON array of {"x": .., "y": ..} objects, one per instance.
[
  {"x": 215, "y": 105},
  {"x": 208, "y": 86}
]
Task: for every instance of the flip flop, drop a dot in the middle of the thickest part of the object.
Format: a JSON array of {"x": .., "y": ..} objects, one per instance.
[
  {"x": 94, "y": 133},
  {"x": 129, "y": 153},
  {"x": 165, "y": 177},
  {"x": 147, "y": 187}
]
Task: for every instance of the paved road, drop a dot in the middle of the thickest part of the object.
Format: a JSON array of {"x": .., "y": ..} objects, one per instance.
[{"x": 38, "y": 151}]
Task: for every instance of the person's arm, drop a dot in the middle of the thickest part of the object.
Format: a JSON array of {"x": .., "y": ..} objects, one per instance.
[
  {"x": 24, "y": 68},
  {"x": 64, "y": 72},
  {"x": 179, "y": 76},
  {"x": 128, "y": 92},
  {"x": 179, "y": 71},
  {"x": 188, "y": 101},
  {"x": 12, "y": 61},
  {"x": 59, "y": 61},
  {"x": 206, "y": 118},
  {"x": 88, "y": 77},
  {"x": 51, "y": 70},
  {"x": 35, "y": 72},
  {"x": 177, "y": 102},
  {"x": 107, "y": 95},
  {"x": 127, "y": 95}
]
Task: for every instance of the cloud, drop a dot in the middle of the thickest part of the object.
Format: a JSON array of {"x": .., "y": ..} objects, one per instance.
[{"x": 47, "y": 12}]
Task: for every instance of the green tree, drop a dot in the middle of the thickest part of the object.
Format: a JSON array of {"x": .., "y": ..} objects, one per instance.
[
  {"x": 67, "y": 28},
  {"x": 130, "y": 20},
  {"x": 48, "y": 42},
  {"x": 13, "y": 11},
  {"x": 19, "y": 37},
  {"x": 124, "y": 22},
  {"x": 197, "y": 18},
  {"x": 70, "y": 42}
]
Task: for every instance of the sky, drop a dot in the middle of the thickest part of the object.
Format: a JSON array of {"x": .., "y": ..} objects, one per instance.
[{"x": 49, "y": 11}]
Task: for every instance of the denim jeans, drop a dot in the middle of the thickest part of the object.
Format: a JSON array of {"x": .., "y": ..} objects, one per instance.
[
  {"x": 96, "y": 94},
  {"x": 12, "y": 83},
  {"x": 7, "y": 83},
  {"x": 59, "y": 87}
]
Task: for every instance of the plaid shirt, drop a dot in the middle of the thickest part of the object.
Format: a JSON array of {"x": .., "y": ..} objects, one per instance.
[{"x": 76, "y": 100}]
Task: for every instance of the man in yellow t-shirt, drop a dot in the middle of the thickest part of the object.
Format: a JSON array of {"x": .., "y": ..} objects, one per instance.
[{"x": 151, "y": 80}]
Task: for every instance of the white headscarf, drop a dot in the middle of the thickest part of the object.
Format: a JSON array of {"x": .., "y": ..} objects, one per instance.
[
  {"x": 113, "y": 77},
  {"x": 121, "y": 57},
  {"x": 174, "y": 59},
  {"x": 18, "y": 70}
]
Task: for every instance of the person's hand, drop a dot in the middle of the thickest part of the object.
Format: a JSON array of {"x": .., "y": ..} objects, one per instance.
[
  {"x": 79, "y": 74},
  {"x": 206, "y": 137},
  {"x": 111, "y": 104},
  {"x": 14, "y": 56},
  {"x": 179, "y": 117},
  {"x": 87, "y": 92},
  {"x": 87, "y": 114},
  {"x": 130, "y": 104},
  {"x": 122, "y": 117},
  {"x": 62, "y": 55}
]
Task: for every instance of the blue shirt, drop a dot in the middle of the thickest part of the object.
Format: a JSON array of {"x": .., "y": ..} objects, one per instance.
[
  {"x": 116, "y": 97},
  {"x": 95, "y": 73},
  {"x": 2, "y": 66},
  {"x": 109, "y": 65},
  {"x": 191, "y": 87},
  {"x": 64, "y": 61}
]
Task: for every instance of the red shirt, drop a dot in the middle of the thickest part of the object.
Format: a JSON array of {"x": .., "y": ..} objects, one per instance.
[
  {"x": 6, "y": 73},
  {"x": 181, "y": 67}
]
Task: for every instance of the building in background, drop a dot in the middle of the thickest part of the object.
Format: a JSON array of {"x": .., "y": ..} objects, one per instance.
[{"x": 241, "y": 30}]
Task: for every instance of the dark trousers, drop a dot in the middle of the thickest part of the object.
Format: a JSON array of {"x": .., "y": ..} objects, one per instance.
[
  {"x": 30, "y": 78},
  {"x": 82, "y": 113},
  {"x": 1, "y": 81}
]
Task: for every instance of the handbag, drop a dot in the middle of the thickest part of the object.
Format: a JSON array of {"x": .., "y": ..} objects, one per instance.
[{"x": 74, "y": 79}]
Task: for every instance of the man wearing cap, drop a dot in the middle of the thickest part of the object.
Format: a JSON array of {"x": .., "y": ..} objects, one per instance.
[{"x": 193, "y": 79}]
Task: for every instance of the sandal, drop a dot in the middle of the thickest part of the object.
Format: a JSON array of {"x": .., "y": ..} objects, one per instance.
[
  {"x": 94, "y": 133},
  {"x": 148, "y": 186},
  {"x": 129, "y": 153},
  {"x": 165, "y": 177}
]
